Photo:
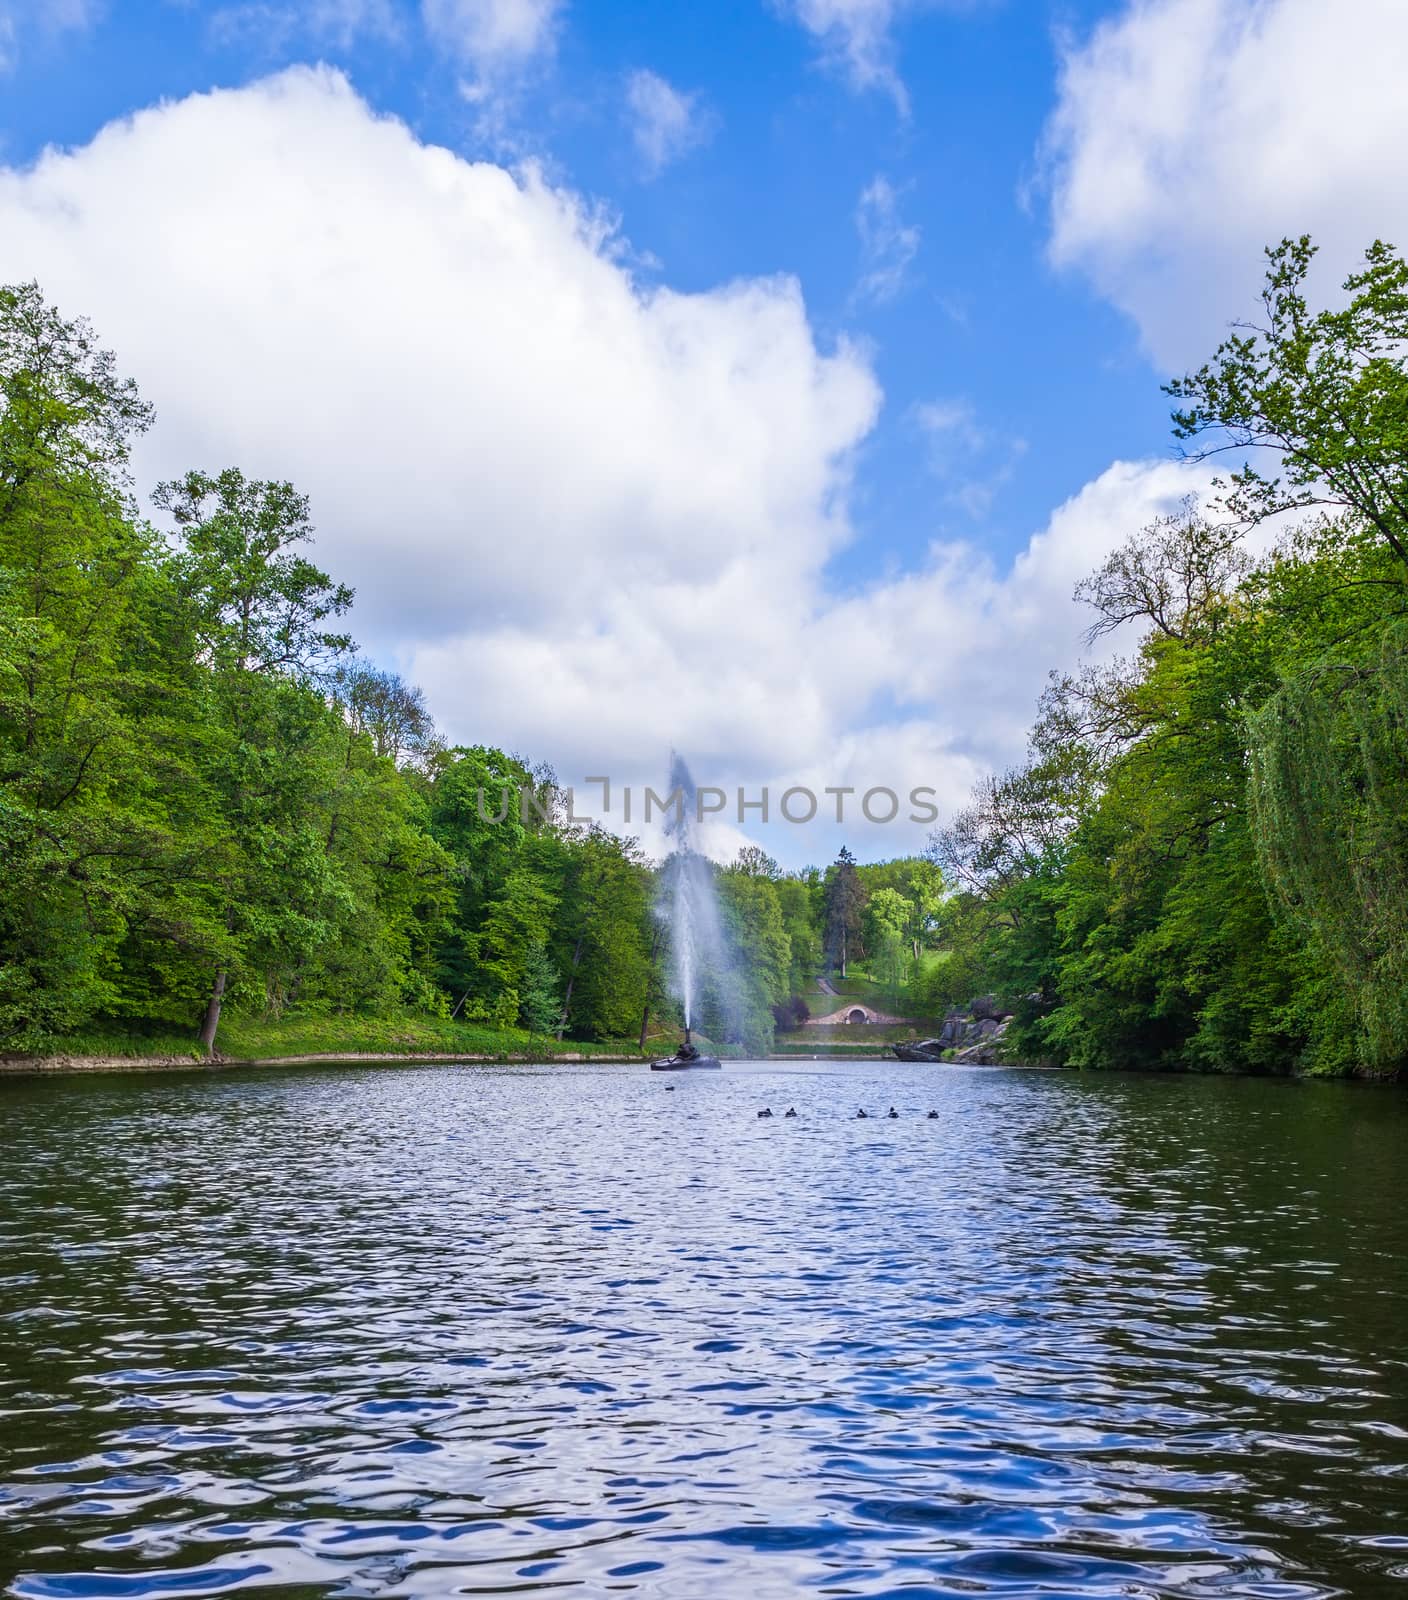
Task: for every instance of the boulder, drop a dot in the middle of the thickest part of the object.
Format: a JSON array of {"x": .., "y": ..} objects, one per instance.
[{"x": 987, "y": 1051}]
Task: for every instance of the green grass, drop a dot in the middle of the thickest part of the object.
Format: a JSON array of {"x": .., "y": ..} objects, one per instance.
[
  {"x": 110, "y": 1042},
  {"x": 805, "y": 1046},
  {"x": 847, "y": 1033},
  {"x": 856, "y": 986},
  {"x": 930, "y": 959},
  {"x": 268, "y": 1038}
]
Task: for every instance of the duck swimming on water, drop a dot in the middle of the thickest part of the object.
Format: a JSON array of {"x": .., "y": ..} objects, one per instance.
[
  {"x": 861, "y": 1112},
  {"x": 766, "y": 1111},
  {"x": 892, "y": 1112},
  {"x": 790, "y": 1112},
  {"x": 933, "y": 1116}
]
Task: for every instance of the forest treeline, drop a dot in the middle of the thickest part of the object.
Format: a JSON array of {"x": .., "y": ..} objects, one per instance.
[
  {"x": 1204, "y": 861},
  {"x": 208, "y": 800}
]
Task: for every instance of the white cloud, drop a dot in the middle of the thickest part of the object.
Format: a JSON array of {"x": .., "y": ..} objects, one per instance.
[
  {"x": 593, "y": 519},
  {"x": 929, "y": 678},
  {"x": 667, "y": 123},
  {"x": 856, "y": 34},
  {"x": 857, "y": 37},
  {"x": 888, "y": 244},
  {"x": 1189, "y": 134},
  {"x": 492, "y": 37}
]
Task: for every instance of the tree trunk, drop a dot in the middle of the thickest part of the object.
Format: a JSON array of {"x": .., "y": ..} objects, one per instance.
[
  {"x": 571, "y": 979},
  {"x": 212, "y": 1013},
  {"x": 649, "y": 979}
]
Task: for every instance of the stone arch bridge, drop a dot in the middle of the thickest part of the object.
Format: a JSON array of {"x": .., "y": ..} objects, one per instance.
[{"x": 855, "y": 1014}]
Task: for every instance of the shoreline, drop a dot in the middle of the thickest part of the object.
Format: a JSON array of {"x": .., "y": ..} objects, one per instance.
[{"x": 72, "y": 1065}]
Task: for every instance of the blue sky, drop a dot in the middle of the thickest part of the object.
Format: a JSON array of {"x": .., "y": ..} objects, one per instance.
[
  {"x": 1053, "y": 378},
  {"x": 755, "y": 378}
]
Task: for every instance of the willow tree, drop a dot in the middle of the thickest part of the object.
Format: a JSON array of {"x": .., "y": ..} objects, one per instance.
[{"x": 1329, "y": 791}]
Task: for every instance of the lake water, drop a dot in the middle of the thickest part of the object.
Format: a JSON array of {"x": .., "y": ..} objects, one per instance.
[{"x": 374, "y": 1331}]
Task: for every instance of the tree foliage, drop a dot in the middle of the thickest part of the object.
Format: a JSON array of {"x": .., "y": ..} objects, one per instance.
[{"x": 1204, "y": 864}]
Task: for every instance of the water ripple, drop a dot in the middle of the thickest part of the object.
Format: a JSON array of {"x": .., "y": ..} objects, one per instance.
[{"x": 422, "y": 1332}]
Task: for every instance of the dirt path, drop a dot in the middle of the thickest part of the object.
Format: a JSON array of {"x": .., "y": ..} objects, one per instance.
[{"x": 824, "y": 984}]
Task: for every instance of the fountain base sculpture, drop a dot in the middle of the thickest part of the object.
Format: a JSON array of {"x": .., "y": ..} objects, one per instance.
[{"x": 687, "y": 1058}]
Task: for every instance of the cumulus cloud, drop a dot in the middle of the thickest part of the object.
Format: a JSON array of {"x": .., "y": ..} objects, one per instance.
[
  {"x": 1189, "y": 134},
  {"x": 927, "y": 679},
  {"x": 594, "y": 519},
  {"x": 666, "y": 123},
  {"x": 888, "y": 244}
]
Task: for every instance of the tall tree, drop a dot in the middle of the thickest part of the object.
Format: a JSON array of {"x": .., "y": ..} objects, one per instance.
[
  {"x": 845, "y": 910},
  {"x": 84, "y": 844},
  {"x": 600, "y": 936},
  {"x": 260, "y": 608}
]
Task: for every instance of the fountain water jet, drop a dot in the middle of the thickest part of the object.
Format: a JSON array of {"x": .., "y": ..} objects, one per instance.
[{"x": 689, "y": 908}]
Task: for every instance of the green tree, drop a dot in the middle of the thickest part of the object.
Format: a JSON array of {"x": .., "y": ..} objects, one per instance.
[
  {"x": 392, "y": 713},
  {"x": 541, "y": 1002},
  {"x": 888, "y": 918},
  {"x": 510, "y": 944},
  {"x": 844, "y": 911},
  {"x": 601, "y": 939},
  {"x": 797, "y": 900},
  {"x": 1323, "y": 394},
  {"x": 476, "y": 816},
  {"x": 260, "y": 603},
  {"x": 758, "y": 957},
  {"x": 86, "y": 845},
  {"x": 258, "y": 609}
]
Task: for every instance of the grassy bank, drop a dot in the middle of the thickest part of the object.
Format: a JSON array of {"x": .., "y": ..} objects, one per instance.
[
  {"x": 255, "y": 1039},
  {"x": 860, "y": 1042},
  {"x": 869, "y": 1035}
]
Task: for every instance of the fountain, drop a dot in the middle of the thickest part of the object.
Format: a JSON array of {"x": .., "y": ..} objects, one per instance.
[{"x": 689, "y": 908}]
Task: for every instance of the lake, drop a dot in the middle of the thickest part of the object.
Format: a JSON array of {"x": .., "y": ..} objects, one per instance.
[{"x": 376, "y": 1331}]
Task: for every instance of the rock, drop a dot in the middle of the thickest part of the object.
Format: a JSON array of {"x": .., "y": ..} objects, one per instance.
[
  {"x": 963, "y": 1038},
  {"x": 987, "y": 1052},
  {"x": 920, "y": 1050}
]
